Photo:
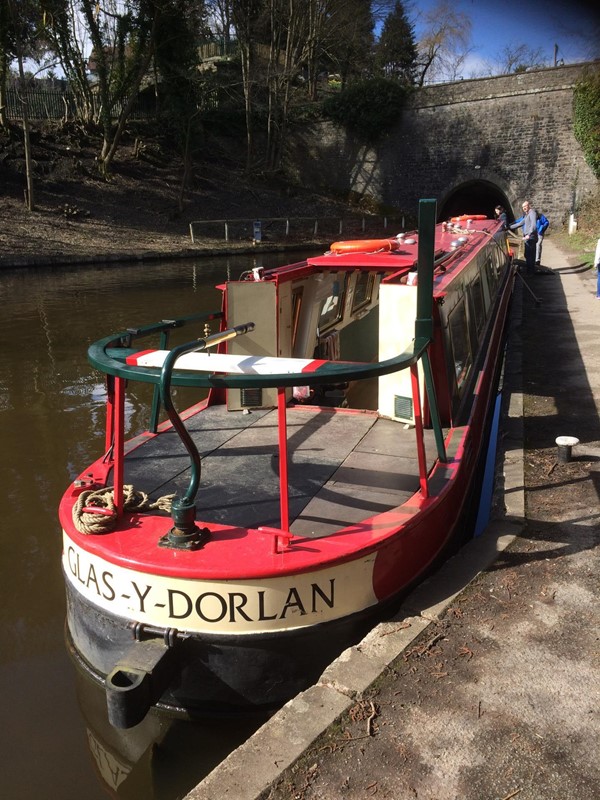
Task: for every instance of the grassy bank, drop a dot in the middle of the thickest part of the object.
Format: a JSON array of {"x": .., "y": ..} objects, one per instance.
[{"x": 584, "y": 240}]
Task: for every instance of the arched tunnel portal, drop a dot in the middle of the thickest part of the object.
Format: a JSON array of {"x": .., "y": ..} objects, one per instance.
[{"x": 474, "y": 197}]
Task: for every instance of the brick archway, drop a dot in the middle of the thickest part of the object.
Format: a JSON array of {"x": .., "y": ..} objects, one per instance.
[{"x": 473, "y": 197}]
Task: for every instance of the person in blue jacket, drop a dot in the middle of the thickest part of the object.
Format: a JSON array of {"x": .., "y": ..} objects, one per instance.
[
  {"x": 530, "y": 234},
  {"x": 542, "y": 226}
]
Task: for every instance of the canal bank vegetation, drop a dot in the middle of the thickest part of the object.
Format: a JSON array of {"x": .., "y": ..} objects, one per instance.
[
  {"x": 191, "y": 64},
  {"x": 583, "y": 241},
  {"x": 586, "y": 119},
  {"x": 186, "y": 64},
  {"x": 121, "y": 122}
]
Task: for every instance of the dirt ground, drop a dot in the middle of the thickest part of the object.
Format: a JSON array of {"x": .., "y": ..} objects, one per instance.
[{"x": 136, "y": 212}]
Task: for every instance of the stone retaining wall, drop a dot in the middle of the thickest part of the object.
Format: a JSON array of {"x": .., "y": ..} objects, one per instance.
[{"x": 512, "y": 134}]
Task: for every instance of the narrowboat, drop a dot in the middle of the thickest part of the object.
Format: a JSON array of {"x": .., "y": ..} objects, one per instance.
[{"x": 219, "y": 560}]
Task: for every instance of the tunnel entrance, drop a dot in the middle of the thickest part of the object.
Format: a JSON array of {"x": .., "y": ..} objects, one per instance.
[{"x": 474, "y": 197}]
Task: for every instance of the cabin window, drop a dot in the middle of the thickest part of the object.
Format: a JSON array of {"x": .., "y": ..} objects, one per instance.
[
  {"x": 500, "y": 262},
  {"x": 492, "y": 272},
  {"x": 332, "y": 307},
  {"x": 477, "y": 304},
  {"x": 363, "y": 290},
  {"x": 459, "y": 338},
  {"x": 296, "y": 308}
]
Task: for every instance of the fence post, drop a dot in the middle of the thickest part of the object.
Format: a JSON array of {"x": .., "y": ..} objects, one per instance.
[
  {"x": 192, "y": 232},
  {"x": 226, "y": 232}
]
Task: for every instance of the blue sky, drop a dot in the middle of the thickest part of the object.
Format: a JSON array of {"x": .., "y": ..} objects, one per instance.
[{"x": 541, "y": 24}]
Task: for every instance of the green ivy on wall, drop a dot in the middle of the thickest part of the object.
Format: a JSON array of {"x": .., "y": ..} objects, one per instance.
[{"x": 586, "y": 119}]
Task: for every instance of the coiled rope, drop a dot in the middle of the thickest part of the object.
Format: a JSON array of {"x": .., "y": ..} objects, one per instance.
[{"x": 104, "y": 519}]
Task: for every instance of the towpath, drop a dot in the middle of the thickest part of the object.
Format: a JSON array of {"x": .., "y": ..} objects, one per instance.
[{"x": 486, "y": 685}]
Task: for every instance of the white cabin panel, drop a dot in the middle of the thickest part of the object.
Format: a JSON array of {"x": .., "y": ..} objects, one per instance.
[
  {"x": 252, "y": 301},
  {"x": 397, "y": 313}
]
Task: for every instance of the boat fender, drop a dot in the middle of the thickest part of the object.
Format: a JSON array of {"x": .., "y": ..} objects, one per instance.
[{"x": 139, "y": 680}]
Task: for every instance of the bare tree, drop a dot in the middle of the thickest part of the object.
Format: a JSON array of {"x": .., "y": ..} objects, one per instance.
[
  {"x": 122, "y": 35},
  {"x": 444, "y": 44},
  {"x": 293, "y": 29},
  {"x": 69, "y": 39},
  {"x": 184, "y": 87},
  {"x": 519, "y": 58},
  {"x": 6, "y": 53},
  {"x": 219, "y": 14},
  {"x": 347, "y": 47},
  {"x": 305, "y": 37},
  {"x": 245, "y": 15},
  {"x": 20, "y": 39}
]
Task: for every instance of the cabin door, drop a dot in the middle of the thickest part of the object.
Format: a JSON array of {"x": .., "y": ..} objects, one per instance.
[{"x": 257, "y": 301}]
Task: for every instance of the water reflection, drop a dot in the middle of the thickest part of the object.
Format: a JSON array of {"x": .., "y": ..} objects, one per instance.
[
  {"x": 160, "y": 758},
  {"x": 52, "y": 426}
]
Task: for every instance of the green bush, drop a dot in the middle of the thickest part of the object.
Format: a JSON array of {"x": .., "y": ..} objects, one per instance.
[
  {"x": 586, "y": 119},
  {"x": 368, "y": 108}
]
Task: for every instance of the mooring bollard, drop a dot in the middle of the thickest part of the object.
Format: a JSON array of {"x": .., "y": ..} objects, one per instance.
[{"x": 565, "y": 445}]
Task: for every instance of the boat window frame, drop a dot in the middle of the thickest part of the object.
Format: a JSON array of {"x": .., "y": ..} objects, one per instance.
[
  {"x": 368, "y": 296},
  {"x": 297, "y": 298},
  {"x": 460, "y": 309},
  {"x": 501, "y": 263},
  {"x": 475, "y": 290},
  {"x": 340, "y": 306},
  {"x": 491, "y": 270}
]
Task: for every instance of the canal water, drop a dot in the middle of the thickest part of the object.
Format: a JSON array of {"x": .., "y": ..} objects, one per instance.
[{"x": 55, "y": 740}]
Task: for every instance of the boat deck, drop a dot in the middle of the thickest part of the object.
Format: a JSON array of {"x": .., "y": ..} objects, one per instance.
[{"x": 343, "y": 467}]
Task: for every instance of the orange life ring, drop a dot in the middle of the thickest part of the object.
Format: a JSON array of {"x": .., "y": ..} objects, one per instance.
[
  {"x": 465, "y": 217},
  {"x": 364, "y": 246}
]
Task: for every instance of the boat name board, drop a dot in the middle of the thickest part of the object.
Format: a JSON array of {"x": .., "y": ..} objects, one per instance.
[{"x": 227, "y": 607}]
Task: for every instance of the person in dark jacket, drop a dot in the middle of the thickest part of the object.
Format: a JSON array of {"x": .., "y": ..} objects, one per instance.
[
  {"x": 500, "y": 213},
  {"x": 530, "y": 235}
]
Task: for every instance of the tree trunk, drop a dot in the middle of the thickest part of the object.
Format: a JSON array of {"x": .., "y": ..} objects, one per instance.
[
  {"x": 3, "y": 79},
  {"x": 30, "y": 196}
]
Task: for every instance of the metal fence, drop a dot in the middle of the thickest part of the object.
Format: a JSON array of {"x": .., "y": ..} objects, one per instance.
[
  {"x": 45, "y": 104},
  {"x": 292, "y": 229}
]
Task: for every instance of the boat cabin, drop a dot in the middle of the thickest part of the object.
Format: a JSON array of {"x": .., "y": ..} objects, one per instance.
[{"x": 361, "y": 307}]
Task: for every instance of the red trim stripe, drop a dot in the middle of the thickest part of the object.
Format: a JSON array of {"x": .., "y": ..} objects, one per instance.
[
  {"x": 314, "y": 365},
  {"x": 132, "y": 360}
]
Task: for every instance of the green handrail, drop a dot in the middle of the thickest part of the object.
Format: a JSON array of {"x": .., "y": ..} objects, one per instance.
[{"x": 184, "y": 510}]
